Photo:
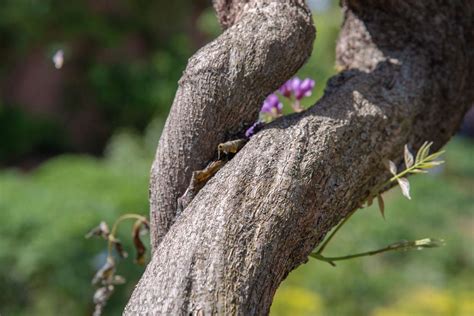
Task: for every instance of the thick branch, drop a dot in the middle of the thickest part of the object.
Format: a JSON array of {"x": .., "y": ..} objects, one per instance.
[
  {"x": 263, "y": 213},
  {"x": 221, "y": 92}
]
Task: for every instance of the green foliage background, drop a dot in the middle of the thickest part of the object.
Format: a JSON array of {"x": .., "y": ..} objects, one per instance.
[
  {"x": 124, "y": 88},
  {"x": 46, "y": 265}
]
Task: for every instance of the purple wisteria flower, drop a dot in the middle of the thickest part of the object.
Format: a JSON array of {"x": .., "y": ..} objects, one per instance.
[
  {"x": 297, "y": 87},
  {"x": 302, "y": 88},
  {"x": 252, "y": 130},
  {"x": 272, "y": 105},
  {"x": 286, "y": 89}
]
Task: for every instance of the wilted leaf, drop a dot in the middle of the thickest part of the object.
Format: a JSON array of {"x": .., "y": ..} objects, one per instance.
[
  {"x": 381, "y": 205},
  {"x": 370, "y": 200},
  {"x": 139, "y": 246},
  {"x": 392, "y": 167},
  {"x": 102, "y": 294},
  {"x": 105, "y": 273},
  {"x": 405, "y": 186},
  {"x": 145, "y": 228},
  {"x": 118, "y": 279},
  {"x": 119, "y": 247},
  {"x": 408, "y": 157},
  {"x": 101, "y": 231}
]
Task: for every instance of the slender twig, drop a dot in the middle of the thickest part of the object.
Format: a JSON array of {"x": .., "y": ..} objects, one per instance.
[
  {"x": 331, "y": 235},
  {"x": 422, "y": 161},
  {"x": 403, "y": 245}
]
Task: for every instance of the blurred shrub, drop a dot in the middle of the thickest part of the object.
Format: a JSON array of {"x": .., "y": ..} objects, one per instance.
[
  {"x": 23, "y": 133},
  {"x": 122, "y": 62},
  {"x": 46, "y": 265},
  {"x": 430, "y": 301},
  {"x": 296, "y": 301}
]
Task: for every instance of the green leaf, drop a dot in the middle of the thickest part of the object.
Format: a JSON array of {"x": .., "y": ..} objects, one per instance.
[
  {"x": 431, "y": 164},
  {"x": 417, "y": 157},
  {"x": 435, "y": 155},
  {"x": 428, "y": 243},
  {"x": 425, "y": 151}
]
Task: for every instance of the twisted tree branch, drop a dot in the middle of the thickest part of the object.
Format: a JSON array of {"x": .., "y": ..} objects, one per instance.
[
  {"x": 220, "y": 94},
  {"x": 408, "y": 78}
]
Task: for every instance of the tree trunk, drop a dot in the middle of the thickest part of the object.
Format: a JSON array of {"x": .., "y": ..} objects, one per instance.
[{"x": 408, "y": 77}]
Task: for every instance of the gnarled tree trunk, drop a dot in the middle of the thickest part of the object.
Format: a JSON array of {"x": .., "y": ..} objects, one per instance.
[{"x": 408, "y": 77}]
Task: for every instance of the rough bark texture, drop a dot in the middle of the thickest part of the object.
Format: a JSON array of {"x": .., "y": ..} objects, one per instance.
[
  {"x": 409, "y": 78},
  {"x": 220, "y": 93}
]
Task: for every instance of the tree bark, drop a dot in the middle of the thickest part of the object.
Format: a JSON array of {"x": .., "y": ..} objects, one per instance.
[
  {"x": 221, "y": 91},
  {"x": 408, "y": 77}
]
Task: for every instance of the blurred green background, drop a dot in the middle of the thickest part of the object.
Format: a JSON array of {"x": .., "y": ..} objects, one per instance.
[{"x": 77, "y": 145}]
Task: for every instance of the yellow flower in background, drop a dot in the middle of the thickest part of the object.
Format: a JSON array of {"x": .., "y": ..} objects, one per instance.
[
  {"x": 296, "y": 301},
  {"x": 432, "y": 302}
]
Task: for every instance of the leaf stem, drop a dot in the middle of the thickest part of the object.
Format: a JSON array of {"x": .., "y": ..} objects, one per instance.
[{"x": 115, "y": 226}]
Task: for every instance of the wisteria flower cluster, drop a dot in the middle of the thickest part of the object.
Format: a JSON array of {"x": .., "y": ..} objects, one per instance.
[{"x": 294, "y": 89}]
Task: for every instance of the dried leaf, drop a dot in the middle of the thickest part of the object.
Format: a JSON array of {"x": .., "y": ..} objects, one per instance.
[
  {"x": 102, "y": 294},
  {"x": 408, "y": 157},
  {"x": 405, "y": 186},
  {"x": 119, "y": 247},
  {"x": 145, "y": 228},
  {"x": 200, "y": 177},
  {"x": 105, "y": 274},
  {"x": 392, "y": 167},
  {"x": 370, "y": 200},
  {"x": 118, "y": 279},
  {"x": 100, "y": 231},
  {"x": 230, "y": 147},
  {"x": 139, "y": 246},
  {"x": 381, "y": 205}
]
